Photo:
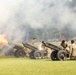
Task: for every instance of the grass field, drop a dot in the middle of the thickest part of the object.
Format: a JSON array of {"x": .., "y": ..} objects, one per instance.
[{"x": 26, "y": 66}]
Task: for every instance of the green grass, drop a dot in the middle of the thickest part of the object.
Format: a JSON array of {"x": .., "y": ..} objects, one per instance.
[{"x": 25, "y": 66}]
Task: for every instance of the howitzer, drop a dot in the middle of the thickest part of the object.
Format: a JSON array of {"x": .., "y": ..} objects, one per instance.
[
  {"x": 34, "y": 52},
  {"x": 58, "y": 53}
]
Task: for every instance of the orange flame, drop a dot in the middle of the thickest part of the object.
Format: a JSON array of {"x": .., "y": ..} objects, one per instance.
[{"x": 3, "y": 40}]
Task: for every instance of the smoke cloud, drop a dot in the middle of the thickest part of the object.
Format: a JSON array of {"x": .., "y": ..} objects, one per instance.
[{"x": 16, "y": 15}]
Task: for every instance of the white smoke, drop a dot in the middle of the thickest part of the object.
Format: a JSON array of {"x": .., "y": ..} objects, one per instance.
[
  {"x": 6, "y": 7},
  {"x": 37, "y": 13},
  {"x": 7, "y": 26},
  {"x": 42, "y": 13}
]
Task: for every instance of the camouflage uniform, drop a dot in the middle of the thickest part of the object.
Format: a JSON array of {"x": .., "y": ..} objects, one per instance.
[
  {"x": 73, "y": 51},
  {"x": 33, "y": 41},
  {"x": 41, "y": 47},
  {"x": 64, "y": 45},
  {"x": 49, "y": 52}
]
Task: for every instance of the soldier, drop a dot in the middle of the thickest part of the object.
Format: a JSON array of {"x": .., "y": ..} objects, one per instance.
[
  {"x": 64, "y": 44},
  {"x": 41, "y": 46},
  {"x": 33, "y": 41},
  {"x": 72, "y": 50},
  {"x": 49, "y": 50}
]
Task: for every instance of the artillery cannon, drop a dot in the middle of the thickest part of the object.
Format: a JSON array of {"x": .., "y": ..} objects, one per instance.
[
  {"x": 58, "y": 53},
  {"x": 20, "y": 51}
]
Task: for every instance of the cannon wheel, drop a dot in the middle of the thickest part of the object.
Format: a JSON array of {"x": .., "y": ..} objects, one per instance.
[
  {"x": 19, "y": 53},
  {"x": 32, "y": 54},
  {"x": 62, "y": 55},
  {"x": 54, "y": 55},
  {"x": 38, "y": 55}
]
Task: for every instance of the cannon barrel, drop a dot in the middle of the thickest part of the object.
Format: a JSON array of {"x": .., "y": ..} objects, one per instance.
[
  {"x": 52, "y": 46},
  {"x": 29, "y": 46}
]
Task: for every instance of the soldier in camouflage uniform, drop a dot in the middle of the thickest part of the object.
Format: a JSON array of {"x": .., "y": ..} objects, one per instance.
[
  {"x": 64, "y": 44},
  {"x": 72, "y": 50},
  {"x": 33, "y": 41}
]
